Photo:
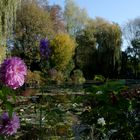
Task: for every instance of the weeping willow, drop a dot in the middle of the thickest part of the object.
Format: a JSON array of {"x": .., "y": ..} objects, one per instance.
[{"x": 7, "y": 20}]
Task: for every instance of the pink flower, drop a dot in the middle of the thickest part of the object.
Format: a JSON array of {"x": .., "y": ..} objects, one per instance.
[
  {"x": 12, "y": 72},
  {"x": 9, "y": 125}
]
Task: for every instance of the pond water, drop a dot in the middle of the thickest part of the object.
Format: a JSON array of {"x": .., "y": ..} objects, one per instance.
[
  {"x": 52, "y": 112},
  {"x": 49, "y": 112}
]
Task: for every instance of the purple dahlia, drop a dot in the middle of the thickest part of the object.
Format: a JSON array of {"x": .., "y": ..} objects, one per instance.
[
  {"x": 44, "y": 48},
  {"x": 12, "y": 72},
  {"x": 9, "y": 125}
]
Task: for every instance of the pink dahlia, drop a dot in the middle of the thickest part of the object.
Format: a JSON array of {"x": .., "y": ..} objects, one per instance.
[
  {"x": 9, "y": 125},
  {"x": 12, "y": 72}
]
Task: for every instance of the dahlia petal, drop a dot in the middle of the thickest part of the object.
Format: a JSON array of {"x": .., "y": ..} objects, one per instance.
[
  {"x": 10, "y": 126},
  {"x": 12, "y": 72}
]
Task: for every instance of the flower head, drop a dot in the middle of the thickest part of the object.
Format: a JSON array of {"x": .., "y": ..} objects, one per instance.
[
  {"x": 12, "y": 72},
  {"x": 9, "y": 125},
  {"x": 99, "y": 92},
  {"x": 44, "y": 48},
  {"x": 101, "y": 121}
]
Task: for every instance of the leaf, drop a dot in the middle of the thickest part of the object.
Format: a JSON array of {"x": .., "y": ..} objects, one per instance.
[
  {"x": 130, "y": 106},
  {"x": 9, "y": 107}
]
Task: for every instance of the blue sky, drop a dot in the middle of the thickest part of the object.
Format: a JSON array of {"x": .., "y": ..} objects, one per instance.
[{"x": 119, "y": 11}]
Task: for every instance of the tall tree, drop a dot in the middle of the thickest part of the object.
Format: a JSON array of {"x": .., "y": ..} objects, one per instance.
[
  {"x": 85, "y": 57},
  {"x": 131, "y": 32},
  {"x": 57, "y": 18},
  {"x": 133, "y": 54},
  {"x": 99, "y": 49},
  {"x": 7, "y": 19},
  {"x": 75, "y": 18},
  {"x": 63, "y": 47},
  {"x": 33, "y": 24},
  {"x": 109, "y": 39}
]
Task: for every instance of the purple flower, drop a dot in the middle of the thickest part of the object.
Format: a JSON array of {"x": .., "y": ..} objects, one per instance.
[
  {"x": 12, "y": 72},
  {"x": 9, "y": 125},
  {"x": 44, "y": 48}
]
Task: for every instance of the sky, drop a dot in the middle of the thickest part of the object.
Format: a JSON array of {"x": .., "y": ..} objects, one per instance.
[{"x": 119, "y": 11}]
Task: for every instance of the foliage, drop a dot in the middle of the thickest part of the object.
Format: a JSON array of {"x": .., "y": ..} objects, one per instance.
[
  {"x": 109, "y": 40},
  {"x": 33, "y": 78},
  {"x": 77, "y": 77},
  {"x": 99, "y": 78},
  {"x": 133, "y": 54},
  {"x": 33, "y": 24},
  {"x": 99, "y": 49},
  {"x": 131, "y": 33},
  {"x": 75, "y": 18},
  {"x": 56, "y": 120},
  {"x": 69, "y": 69},
  {"x": 7, "y": 19},
  {"x": 2, "y": 53},
  {"x": 85, "y": 56},
  {"x": 115, "y": 107},
  {"x": 57, "y": 18},
  {"x": 56, "y": 77},
  {"x": 62, "y": 51}
]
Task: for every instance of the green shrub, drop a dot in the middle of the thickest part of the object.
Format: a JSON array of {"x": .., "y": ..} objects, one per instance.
[
  {"x": 112, "y": 111},
  {"x": 56, "y": 76},
  {"x": 33, "y": 78},
  {"x": 99, "y": 78},
  {"x": 78, "y": 77}
]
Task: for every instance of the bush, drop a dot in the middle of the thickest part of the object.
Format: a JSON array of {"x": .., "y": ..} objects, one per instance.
[
  {"x": 99, "y": 78},
  {"x": 33, "y": 78},
  {"x": 55, "y": 76},
  {"x": 62, "y": 51},
  {"x": 77, "y": 77},
  {"x": 112, "y": 111}
]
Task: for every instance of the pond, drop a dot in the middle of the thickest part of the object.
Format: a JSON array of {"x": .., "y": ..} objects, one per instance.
[
  {"x": 71, "y": 112},
  {"x": 49, "y": 112}
]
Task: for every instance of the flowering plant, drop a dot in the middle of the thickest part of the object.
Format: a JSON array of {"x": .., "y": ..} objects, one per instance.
[
  {"x": 44, "y": 48},
  {"x": 45, "y": 52},
  {"x": 12, "y": 76},
  {"x": 9, "y": 125},
  {"x": 112, "y": 111},
  {"x": 13, "y": 71}
]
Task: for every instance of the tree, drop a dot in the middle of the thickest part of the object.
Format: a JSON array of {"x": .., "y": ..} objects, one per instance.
[
  {"x": 131, "y": 32},
  {"x": 43, "y": 3},
  {"x": 109, "y": 39},
  {"x": 99, "y": 49},
  {"x": 57, "y": 18},
  {"x": 134, "y": 55},
  {"x": 33, "y": 24},
  {"x": 85, "y": 57},
  {"x": 7, "y": 19},
  {"x": 75, "y": 18},
  {"x": 62, "y": 48}
]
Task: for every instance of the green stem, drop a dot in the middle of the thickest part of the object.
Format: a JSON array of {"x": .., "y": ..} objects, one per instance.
[{"x": 40, "y": 121}]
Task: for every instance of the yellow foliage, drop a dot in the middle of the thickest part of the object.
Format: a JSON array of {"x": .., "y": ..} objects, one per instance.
[
  {"x": 33, "y": 77},
  {"x": 62, "y": 47},
  {"x": 2, "y": 53}
]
